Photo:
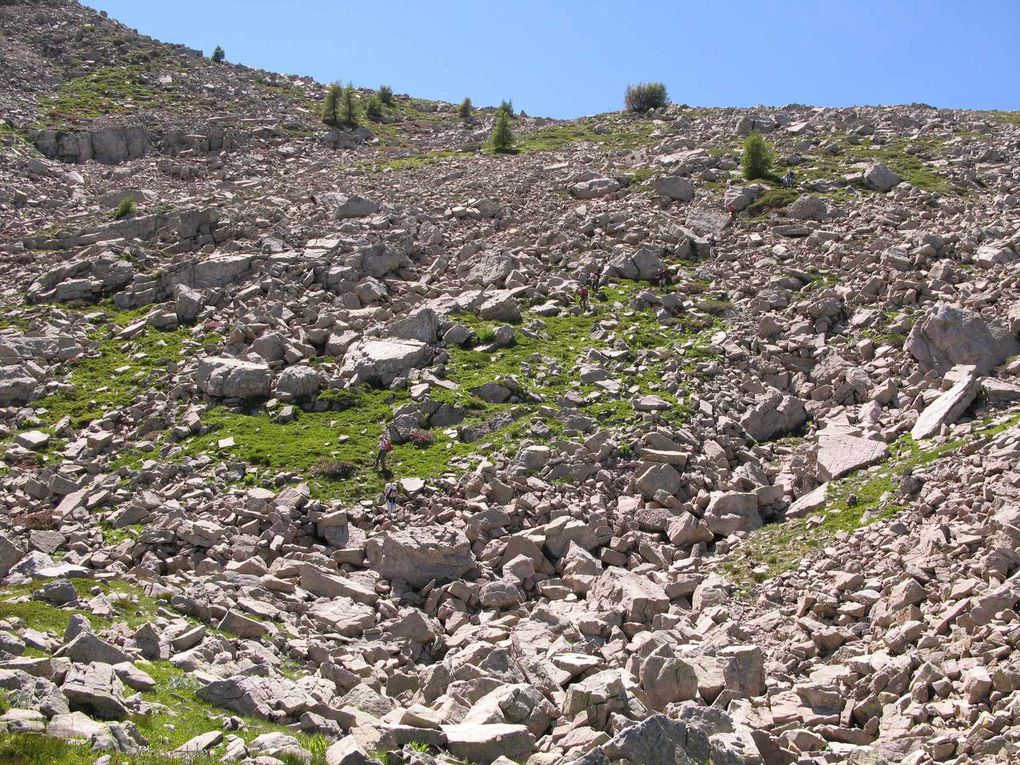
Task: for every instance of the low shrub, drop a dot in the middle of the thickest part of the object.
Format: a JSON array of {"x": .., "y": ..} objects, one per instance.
[
  {"x": 337, "y": 470},
  {"x": 644, "y": 96},
  {"x": 421, "y": 438},
  {"x": 125, "y": 208}
]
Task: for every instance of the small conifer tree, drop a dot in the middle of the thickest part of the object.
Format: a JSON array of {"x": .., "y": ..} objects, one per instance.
[
  {"x": 502, "y": 134},
  {"x": 757, "y": 160},
  {"x": 218, "y": 55},
  {"x": 331, "y": 105},
  {"x": 465, "y": 109},
  {"x": 386, "y": 95},
  {"x": 374, "y": 108},
  {"x": 508, "y": 107},
  {"x": 348, "y": 107}
]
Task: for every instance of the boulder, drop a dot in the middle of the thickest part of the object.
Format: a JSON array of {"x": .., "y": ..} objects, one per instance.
[
  {"x": 96, "y": 690},
  {"x": 299, "y": 382},
  {"x": 728, "y": 512},
  {"x": 774, "y": 414},
  {"x": 421, "y": 555},
  {"x": 948, "y": 407},
  {"x": 880, "y": 178},
  {"x": 483, "y": 744},
  {"x": 223, "y": 377},
  {"x": 841, "y": 454},
  {"x": 674, "y": 187},
  {"x": 383, "y": 361},
  {"x": 355, "y": 207},
  {"x": 594, "y": 188},
  {"x": 808, "y": 207},
  {"x": 948, "y": 335},
  {"x": 635, "y": 598}
]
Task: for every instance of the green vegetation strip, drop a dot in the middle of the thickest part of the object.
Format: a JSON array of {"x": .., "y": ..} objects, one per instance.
[
  {"x": 185, "y": 715},
  {"x": 851, "y": 503}
]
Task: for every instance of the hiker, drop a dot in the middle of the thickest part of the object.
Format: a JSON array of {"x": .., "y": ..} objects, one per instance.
[
  {"x": 788, "y": 179},
  {"x": 711, "y": 246},
  {"x": 732, "y": 211},
  {"x": 582, "y": 297},
  {"x": 390, "y": 495},
  {"x": 385, "y": 446}
]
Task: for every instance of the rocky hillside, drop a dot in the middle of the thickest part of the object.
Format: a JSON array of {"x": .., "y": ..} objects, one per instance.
[{"x": 756, "y": 503}]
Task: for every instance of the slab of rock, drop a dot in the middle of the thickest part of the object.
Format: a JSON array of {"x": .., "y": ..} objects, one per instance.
[
  {"x": 483, "y": 744},
  {"x": 774, "y": 414},
  {"x": 658, "y": 476},
  {"x": 96, "y": 690},
  {"x": 355, "y": 207},
  {"x": 342, "y": 616},
  {"x": 948, "y": 407},
  {"x": 674, "y": 187},
  {"x": 634, "y": 597},
  {"x": 594, "y": 188},
  {"x": 948, "y": 335},
  {"x": 223, "y": 377},
  {"x": 880, "y": 178},
  {"x": 841, "y": 454},
  {"x": 383, "y": 361},
  {"x": 421, "y": 555},
  {"x": 728, "y": 512}
]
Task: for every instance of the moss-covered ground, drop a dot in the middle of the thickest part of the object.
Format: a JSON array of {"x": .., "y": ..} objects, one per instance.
[
  {"x": 544, "y": 359},
  {"x": 182, "y": 716},
  {"x": 852, "y": 502}
]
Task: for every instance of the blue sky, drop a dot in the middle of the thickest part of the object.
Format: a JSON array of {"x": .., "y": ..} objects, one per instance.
[{"x": 564, "y": 58}]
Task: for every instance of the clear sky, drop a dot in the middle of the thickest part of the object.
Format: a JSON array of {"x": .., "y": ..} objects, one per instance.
[{"x": 564, "y": 58}]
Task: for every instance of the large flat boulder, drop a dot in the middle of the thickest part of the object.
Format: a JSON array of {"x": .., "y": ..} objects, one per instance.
[
  {"x": 483, "y": 744},
  {"x": 948, "y": 407},
  {"x": 421, "y": 555},
  {"x": 383, "y": 361},
  {"x": 948, "y": 335},
  {"x": 635, "y": 598},
  {"x": 224, "y": 377},
  {"x": 841, "y": 454}
]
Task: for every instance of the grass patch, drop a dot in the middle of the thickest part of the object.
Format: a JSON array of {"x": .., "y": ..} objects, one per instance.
[
  {"x": 773, "y": 199},
  {"x": 110, "y": 90},
  {"x": 112, "y": 377},
  {"x": 619, "y": 134},
  {"x": 853, "y": 502}
]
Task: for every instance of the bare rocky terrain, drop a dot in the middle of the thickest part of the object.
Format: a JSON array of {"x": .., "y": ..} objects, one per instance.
[{"x": 757, "y": 503}]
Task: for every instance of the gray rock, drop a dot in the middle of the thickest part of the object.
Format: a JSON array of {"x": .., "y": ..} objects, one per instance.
[
  {"x": 420, "y": 556},
  {"x": 382, "y": 361},
  {"x": 948, "y": 335},
  {"x": 594, "y": 188},
  {"x": 299, "y": 382},
  {"x": 674, "y": 187},
  {"x": 96, "y": 690},
  {"x": 355, "y": 207},
  {"x": 948, "y": 407},
  {"x": 880, "y": 178},
  {"x": 841, "y": 454},
  {"x": 223, "y": 377}
]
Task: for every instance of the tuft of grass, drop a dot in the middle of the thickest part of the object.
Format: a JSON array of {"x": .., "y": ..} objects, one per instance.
[
  {"x": 125, "y": 208},
  {"x": 773, "y": 199}
]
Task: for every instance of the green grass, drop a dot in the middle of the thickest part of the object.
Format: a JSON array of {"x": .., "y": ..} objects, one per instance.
[
  {"x": 620, "y": 134},
  {"x": 108, "y": 90},
  {"x": 545, "y": 365},
  {"x": 113, "y": 378},
  {"x": 852, "y": 502},
  {"x": 773, "y": 199},
  {"x": 125, "y": 208}
]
